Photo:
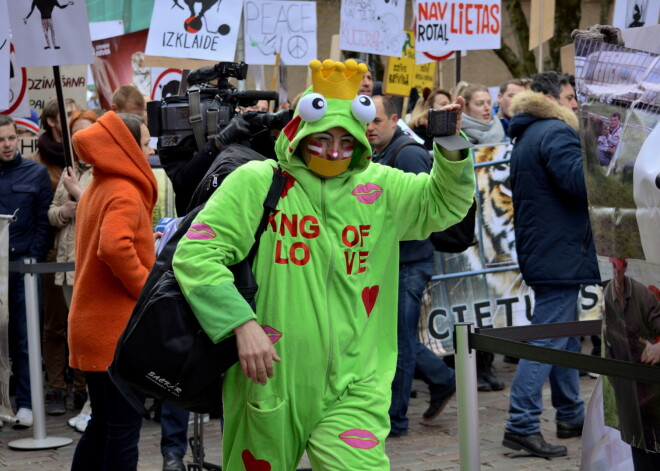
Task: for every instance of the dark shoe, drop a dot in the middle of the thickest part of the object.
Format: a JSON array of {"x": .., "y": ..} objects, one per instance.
[
  {"x": 565, "y": 430},
  {"x": 173, "y": 462},
  {"x": 79, "y": 399},
  {"x": 393, "y": 434},
  {"x": 508, "y": 359},
  {"x": 57, "y": 404},
  {"x": 487, "y": 381},
  {"x": 533, "y": 444},
  {"x": 437, "y": 405}
]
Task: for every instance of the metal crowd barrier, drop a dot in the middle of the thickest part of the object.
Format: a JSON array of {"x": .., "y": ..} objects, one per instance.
[
  {"x": 509, "y": 341},
  {"x": 40, "y": 440}
]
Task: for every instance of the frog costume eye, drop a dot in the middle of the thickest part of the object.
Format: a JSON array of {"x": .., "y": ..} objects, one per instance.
[
  {"x": 363, "y": 108},
  {"x": 312, "y": 107}
]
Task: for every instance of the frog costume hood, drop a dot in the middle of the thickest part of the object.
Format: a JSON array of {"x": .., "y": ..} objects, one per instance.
[{"x": 331, "y": 101}]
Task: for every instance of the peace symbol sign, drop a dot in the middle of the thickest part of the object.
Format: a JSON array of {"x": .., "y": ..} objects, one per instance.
[{"x": 297, "y": 46}]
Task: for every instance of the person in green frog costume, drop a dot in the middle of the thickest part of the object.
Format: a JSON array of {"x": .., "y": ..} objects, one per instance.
[{"x": 316, "y": 360}]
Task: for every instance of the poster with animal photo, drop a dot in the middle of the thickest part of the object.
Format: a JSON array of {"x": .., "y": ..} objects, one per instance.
[
  {"x": 372, "y": 26},
  {"x": 50, "y": 32},
  {"x": 193, "y": 29},
  {"x": 483, "y": 285},
  {"x": 287, "y": 28},
  {"x": 620, "y": 134}
]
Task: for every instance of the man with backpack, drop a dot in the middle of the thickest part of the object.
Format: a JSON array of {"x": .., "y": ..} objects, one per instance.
[
  {"x": 318, "y": 357},
  {"x": 394, "y": 148}
]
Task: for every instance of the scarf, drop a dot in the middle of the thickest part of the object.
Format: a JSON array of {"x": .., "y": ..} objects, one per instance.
[
  {"x": 50, "y": 150},
  {"x": 479, "y": 132}
]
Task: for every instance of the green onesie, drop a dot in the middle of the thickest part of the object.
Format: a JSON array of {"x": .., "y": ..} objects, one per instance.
[{"x": 327, "y": 269}]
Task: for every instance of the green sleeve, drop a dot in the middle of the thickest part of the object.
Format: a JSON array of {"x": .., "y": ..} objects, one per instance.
[
  {"x": 440, "y": 199},
  {"x": 222, "y": 235}
]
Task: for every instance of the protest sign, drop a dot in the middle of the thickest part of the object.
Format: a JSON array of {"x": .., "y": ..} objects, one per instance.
[
  {"x": 620, "y": 135},
  {"x": 635, "y": 13},
  {"x": 457, "y": 26},
  {"x": 498, "y": 299},
  {"x": 41, "y": 84},
  {"x": 47, "y": 33},
  {"x": 284, "y": 27},
  {"x": 18, "y": 97},
  {"x": 426, "y": 57},
  {"x": 541, "y": 22},
  {"x": 374, "y": 27},
  {"x": 165, "y": 82},
  {"x": 424, "y": 76},
  {"x": 399, "y": 71},
  {"x": 4, "y": 56},
  {"x": 206, "y": 32},
  {"x": 5, "y": 367},
  {"x": 113, "y": 65}
]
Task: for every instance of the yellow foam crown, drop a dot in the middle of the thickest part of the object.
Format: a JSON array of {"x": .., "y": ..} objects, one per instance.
[{"x": 336, "y": 79}]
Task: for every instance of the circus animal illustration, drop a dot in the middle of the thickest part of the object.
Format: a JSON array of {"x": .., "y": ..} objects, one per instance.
[
  {"x": 646, "y": 192},
  {"x": 193, "y": 24},
  {"x": 46, "y": 8}
]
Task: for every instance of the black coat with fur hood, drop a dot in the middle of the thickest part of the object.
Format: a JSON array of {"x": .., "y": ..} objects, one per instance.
[{"x": 554, "y": 241}]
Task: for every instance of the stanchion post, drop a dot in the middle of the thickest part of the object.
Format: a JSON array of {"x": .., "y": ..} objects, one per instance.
[
  {"x": 466, "y": 393},
  {"x": 39, "y": 440}
]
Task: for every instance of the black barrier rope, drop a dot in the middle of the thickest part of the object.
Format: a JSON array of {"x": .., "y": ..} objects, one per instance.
[
  {"x": 488, "y": 341},
  {"x": 21, "y": 267}
]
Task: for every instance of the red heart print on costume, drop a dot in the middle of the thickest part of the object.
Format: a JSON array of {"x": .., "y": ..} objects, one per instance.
[
  {"x": 253, "y": 464},
  {"x": 369, "y": 296}
]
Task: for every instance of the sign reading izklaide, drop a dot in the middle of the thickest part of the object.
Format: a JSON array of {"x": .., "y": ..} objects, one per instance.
[
  {"x": 195, "y": 30},
  {"x": 457, "y": 26},
  {"x": 284, "y": 27},
  {"x": 49, "y": 32}
]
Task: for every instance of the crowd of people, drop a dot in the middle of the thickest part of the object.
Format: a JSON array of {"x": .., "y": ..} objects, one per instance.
[{"x": 317, "y": 387}]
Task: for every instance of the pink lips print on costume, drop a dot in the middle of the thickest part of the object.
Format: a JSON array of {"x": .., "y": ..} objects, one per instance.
[
  {"x": 253, "y": 464},
  {"x": 273, "y": 335},
  {"x": 367, "y": 194},
  {"x": 357, "y": 438},
  {"x": 200, "y": 231}
]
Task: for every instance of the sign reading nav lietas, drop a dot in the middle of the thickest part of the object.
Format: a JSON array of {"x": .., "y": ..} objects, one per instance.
[{"x": 457, "y": 25}]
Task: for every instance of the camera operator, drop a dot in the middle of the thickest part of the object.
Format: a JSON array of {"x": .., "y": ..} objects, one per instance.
[{"x": 185, "y": 166}]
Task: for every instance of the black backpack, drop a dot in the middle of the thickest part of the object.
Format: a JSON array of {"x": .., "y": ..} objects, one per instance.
[
  {"x": 457, "y": 238},
  {"x": 163, "y": 351}
]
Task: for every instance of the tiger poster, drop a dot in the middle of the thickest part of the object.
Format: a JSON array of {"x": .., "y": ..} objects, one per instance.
[
  {"x": 620, "y": 134},
  {"x": 483, "y": 285}
]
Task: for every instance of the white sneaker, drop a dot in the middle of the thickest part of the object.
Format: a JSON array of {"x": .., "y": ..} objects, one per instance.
[
  {"x": 24, "y": 418},
  {"x": 73, "y": 421},
  {"x": 85, "y": 412},
  {"x": 82, "y": 423}
]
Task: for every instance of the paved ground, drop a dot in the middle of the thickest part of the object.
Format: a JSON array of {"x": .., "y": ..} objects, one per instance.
[{"x": 426, "y": 448}]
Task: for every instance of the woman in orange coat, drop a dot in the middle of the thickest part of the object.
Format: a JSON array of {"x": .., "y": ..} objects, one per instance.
[{"x": 114, "y": 253}]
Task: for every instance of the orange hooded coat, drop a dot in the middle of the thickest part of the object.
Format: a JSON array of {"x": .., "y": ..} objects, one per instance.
[{"x": 114, "y": 241}]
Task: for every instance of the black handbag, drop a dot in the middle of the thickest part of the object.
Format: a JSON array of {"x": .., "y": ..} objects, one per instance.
[{"x": 163, "y": 351}]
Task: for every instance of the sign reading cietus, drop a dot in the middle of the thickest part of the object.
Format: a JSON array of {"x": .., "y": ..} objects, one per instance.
[{"x": 457, "y": 25}]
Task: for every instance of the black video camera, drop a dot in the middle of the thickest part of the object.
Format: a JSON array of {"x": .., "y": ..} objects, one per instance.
[{"x": 172, "y": 119}]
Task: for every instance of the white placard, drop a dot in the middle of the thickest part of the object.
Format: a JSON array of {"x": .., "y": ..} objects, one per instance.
[
  {"x": 41, "y": 85},
  {"x": 4, "y": 56},
  {"x": 195, "y": 30},
  {"x": 106, "y": 29},
  {"x": 18, "y": 96},
  {"x": 165, "y": 82},
  {"x": 635, "y": 13},
  {"x": 457, "y": 26},
  {"x": 374, "y": 27},
  {"x": 426, "y": 57},
  {"x": 287, "y": 27},
  {"x": 46, "y": 32}
]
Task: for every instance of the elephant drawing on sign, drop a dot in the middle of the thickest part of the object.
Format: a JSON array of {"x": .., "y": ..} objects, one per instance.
[{"x": 206, "y": 5}]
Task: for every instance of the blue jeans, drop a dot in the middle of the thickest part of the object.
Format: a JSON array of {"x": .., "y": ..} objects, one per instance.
[
  {"x": 110, "y": 442},
  {"x": 412, "y": 281},
  {"x": 173, "y": 429},
  {"x": 552, "y": 304}
]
